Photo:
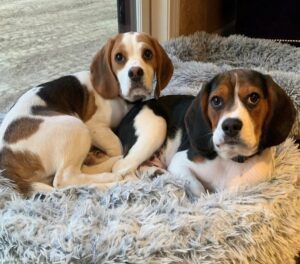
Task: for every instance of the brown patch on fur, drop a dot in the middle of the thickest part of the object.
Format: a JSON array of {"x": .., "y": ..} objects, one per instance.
[
  {"x": 21, "y": 128},
  {"x": 118, "y": 47},
  {"x": 95, "y": 156},
  {"x": 281, "y": 115},
  {"x": 198, "y": 159},
  {"x": 68, "y": 98},
  {"x": 43, "y": 111},
  {"x": 89, "y": 108},
  {"x": 225, "y": 92},
  {"x": 259, "y": 113},
  {"x": 147, "y": 43},
  {"x": 22, "y": 168},
  {"x": 102, "y": 76}
]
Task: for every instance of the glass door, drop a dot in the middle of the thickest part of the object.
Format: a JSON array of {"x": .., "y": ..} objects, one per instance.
[
  {"x": 159, "y": 18},
  {"x": 126, "y": 15}
]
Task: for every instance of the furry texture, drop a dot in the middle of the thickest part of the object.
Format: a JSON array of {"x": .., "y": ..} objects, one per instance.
[{"x": 156, "y": 221}]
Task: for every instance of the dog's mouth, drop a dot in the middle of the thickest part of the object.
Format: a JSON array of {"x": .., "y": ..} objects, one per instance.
[
  {"x": 233, "y": 141},
  {"x": 229, "y": 141},
  {"x": 138, "y": 91},
  {"x": 232, "y": 147}
]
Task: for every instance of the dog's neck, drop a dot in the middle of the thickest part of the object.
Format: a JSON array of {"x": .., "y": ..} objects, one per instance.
[
  {"x": 219, "y": 173},
  {"x": 242, "y": 159},
  {"x": 192, "y": 154}
]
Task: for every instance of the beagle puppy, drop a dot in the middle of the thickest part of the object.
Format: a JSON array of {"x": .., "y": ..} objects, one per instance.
[
  {"x": 220, "y": 139},
  {"x": 47, "y": 134}
]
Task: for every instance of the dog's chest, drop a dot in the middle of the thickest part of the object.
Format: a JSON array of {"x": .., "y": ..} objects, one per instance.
[{"x": 221, "y": 174}]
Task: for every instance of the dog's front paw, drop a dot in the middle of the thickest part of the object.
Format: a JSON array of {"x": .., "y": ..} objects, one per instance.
[{"x": 125, "y": 166}]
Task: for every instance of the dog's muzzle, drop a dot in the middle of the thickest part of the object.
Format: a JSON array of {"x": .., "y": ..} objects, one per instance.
[
  {"x": 138, "y": 90},
  {"x": 136, "y": 74}
]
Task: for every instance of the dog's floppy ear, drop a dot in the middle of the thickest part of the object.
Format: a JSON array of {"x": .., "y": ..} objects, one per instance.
[
  {"x": 281, "y": 115},
  {"x": 102, "y": 76},
  {"x": 164, "y": 70},
  {"x": 198, "y": 126}
]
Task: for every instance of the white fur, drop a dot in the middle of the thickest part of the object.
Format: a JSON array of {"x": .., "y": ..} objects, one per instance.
[
  {"x": 219, "y": 174},
  {"x": 134, "y": 59},
  {"x": 180, "y": 166}
]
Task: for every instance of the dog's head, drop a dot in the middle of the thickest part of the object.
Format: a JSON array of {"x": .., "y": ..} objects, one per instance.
[
  {"x": 239, "y": 113},
  {"x": 127, "y": 65}
]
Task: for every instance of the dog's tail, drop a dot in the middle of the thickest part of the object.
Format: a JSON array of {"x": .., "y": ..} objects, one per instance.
[
  {"x": 18, "y": 170},
  {"x": 13, "y": 182}
]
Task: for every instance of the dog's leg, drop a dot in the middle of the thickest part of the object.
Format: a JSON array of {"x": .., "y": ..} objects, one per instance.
[
  {"x": 105, "y": 139},
  {"x": 95, "y": 156},
  {"x": 73, "y": 151},
  {"x": 105, "y": 186},
  {"x": 41, "y": 187},
  {"x": 105, "y": 166},
  {"x": 151, "y": 132},
  {"x": 179, "y": 168},
  {"x": 72, "y": 177}
]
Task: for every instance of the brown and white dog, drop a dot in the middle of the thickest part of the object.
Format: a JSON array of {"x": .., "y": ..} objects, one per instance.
[
  {"x": 220, "y": 139},
  {"x": 47, "y": 134}
]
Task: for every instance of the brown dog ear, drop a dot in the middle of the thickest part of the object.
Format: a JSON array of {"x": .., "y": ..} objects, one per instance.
[
  {"x": 164, "y": 70},
  {"x": 281, "y": 115},
  {"x": 198, "y": 126},
  {"x": 102, "y": 76}
]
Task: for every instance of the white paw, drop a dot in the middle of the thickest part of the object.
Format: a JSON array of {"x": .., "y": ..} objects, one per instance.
[
  {"x": 125, "y": 166},
  {"x": 195, "y": 187}
]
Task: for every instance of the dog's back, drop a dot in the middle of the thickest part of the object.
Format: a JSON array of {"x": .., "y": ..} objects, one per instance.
[{"x": 30, "y": 126}]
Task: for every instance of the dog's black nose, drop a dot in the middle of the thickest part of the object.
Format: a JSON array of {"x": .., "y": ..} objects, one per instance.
[
  {"x": 135, "y": 74},
  {"x": 232, "y": 126}
]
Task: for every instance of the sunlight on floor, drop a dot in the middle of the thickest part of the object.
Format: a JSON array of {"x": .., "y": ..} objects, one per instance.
[{"x": 41, "y": 40}]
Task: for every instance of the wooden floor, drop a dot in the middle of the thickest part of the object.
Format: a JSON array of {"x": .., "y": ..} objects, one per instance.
[{"x": 41, "y": 40}]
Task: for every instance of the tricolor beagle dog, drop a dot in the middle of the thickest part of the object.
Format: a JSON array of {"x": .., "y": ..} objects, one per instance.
[
  {"x": 47, "y": 134},
  {"x": 220, "y": 139}
]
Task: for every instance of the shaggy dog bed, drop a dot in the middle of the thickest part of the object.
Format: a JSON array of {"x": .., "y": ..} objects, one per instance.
[{"x": 155, "y": 221}]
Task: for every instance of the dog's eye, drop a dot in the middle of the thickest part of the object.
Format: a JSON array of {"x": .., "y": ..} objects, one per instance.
[
  {"x": 147, "y": 55},
  {"x": 253, "y": 99},
  {"x": 216, "y": 101},
  {"x": 119, "y": 58}
]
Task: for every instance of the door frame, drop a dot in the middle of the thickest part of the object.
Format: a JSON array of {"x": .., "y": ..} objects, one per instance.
[{"x": 159, "y": 18}]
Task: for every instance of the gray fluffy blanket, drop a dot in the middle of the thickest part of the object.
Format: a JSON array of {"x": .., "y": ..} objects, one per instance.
[{"x": 155, "y": 221}]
